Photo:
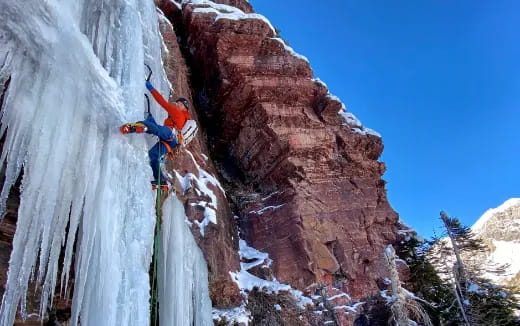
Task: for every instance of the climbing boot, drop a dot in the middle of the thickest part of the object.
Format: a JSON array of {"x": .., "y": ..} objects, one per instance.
[
  {"x": 164, "y": 186},
  {"x": 129, "y": 128}
]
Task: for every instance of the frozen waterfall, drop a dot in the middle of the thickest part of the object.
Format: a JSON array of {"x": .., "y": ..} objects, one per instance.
[{"x": 76, "y": 74}]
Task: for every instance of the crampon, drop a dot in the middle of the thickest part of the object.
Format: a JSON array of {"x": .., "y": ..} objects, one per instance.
[{"x": 129, "y": 128}]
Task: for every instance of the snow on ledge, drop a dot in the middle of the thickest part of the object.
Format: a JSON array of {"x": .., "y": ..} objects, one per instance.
[
  {"x": 201, "y": 182},
  {"x": 290, "y": 49},
  {"x": 178, "y": 5},
  {"x": 247, "y": 281},
  {"x": 319, "y": 81},
  {"x": 238, "y": 315},
  {"x": 227, "y": 12},
  {"x": 351, "y": 308},
  {"x": 352, "y": 121},
  {"x": 340, "y": 296},
  {"x": 251, "y": 253},
  {"x": 268, "y": 208}
]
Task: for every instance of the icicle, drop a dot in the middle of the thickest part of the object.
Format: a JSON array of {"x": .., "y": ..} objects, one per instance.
[
  {"x": 66, "y": 99},
  {"x": 183, "y": 279}
]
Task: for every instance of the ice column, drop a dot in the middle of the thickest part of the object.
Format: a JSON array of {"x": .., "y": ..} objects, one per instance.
[{"x": 183, "y": 277}]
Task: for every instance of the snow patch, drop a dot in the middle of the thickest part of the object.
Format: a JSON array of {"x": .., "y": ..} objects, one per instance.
[
  {"x": 268, "y": 208},
  {"x": 271, "y": 195},
  {"x": 177, "y": 4},
  {"x": 250, "y": 253},
  {"x": 389, "y": 298},
  {"x": 227, "y": 12},
  {"x": 247, "y": 281},
  {"x": 354, "y": 122},
  {"x": 479, "y": 224},
  {"x": 238, "y": 315},
  {"x": 202, "y": 189},
  {"x": 319, "y": 81},
  {"x": 351, "y": 308},
  {"x": 505, "y": 253},
  {"x": 473, "y": 287},
  {"x": 339, "y": 296}
]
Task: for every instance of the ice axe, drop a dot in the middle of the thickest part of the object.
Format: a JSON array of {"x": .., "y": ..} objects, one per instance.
[
  {"x": 149, "y": 72},
  {"x": 147, "y": 112}
]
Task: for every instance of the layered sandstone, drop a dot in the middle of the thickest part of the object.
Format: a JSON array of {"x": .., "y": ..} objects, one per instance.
[
  {"x": 307, "y": 185},
  {"x": 219, "y": 242}
]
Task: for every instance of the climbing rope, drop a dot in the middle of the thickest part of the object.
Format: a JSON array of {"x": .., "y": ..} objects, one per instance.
[
  {"x": 154, "y": 299},
  {"x": 156, "y": 252}
]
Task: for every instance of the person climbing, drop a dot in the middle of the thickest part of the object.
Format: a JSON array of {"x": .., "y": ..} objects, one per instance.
[{"x": 178, "y": 129}]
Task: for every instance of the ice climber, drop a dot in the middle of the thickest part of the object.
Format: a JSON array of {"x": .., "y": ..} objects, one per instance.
[{"x": 178, "y": 128}]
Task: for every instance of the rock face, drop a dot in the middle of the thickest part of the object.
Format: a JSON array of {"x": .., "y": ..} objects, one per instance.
[
  {"x": 306, "y": 183},
  {"x": 219, "y": 242},
  {"x": 501, "y": 223}
]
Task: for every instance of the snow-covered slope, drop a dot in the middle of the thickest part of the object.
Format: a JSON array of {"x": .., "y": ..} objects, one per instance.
[
  {"x": 500, "y": 229},
  {"x": 501, "y": 223},
  {"x": 76, "y": 74}
]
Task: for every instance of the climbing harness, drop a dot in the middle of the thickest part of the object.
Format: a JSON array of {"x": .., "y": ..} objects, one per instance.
[{"x": 170, "y": 152}]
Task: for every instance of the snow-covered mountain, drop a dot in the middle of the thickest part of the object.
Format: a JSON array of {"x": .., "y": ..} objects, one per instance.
[{"x": 500, "y": 229}]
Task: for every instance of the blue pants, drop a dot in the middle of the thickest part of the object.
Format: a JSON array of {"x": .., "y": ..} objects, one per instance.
[{"x": 157, "y": 152}]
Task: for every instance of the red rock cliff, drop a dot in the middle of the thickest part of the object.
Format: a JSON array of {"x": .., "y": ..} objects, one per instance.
[{"x": 306, "y": 184}]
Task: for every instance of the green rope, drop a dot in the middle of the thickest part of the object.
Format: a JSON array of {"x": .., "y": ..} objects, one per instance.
[{"x": 157, "y": 247}]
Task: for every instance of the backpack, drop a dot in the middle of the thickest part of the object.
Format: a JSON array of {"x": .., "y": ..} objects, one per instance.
[{"x": 188, "y": 132}]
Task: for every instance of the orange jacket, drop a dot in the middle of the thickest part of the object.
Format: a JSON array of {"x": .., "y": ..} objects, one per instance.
[{"x": 177, "y": 117}]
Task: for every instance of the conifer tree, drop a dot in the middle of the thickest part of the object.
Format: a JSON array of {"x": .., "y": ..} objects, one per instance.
[
  {"x": 480, "y": 302},
  {"x": 426, "y": 283},
  {"x": 405, "y": 306}
]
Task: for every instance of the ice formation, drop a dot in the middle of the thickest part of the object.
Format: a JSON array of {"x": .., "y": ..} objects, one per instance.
[
  {"x": 76, "y": 74},
  {"x": 183, "y": 273}
]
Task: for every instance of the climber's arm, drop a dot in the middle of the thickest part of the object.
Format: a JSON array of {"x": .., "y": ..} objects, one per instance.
[
  {"x": 156, "y": 95},
  {"x": 172, "y": 109}
]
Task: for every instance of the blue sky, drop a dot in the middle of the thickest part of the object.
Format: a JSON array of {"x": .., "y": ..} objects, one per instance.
[{"x": 440, "y": 80}]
